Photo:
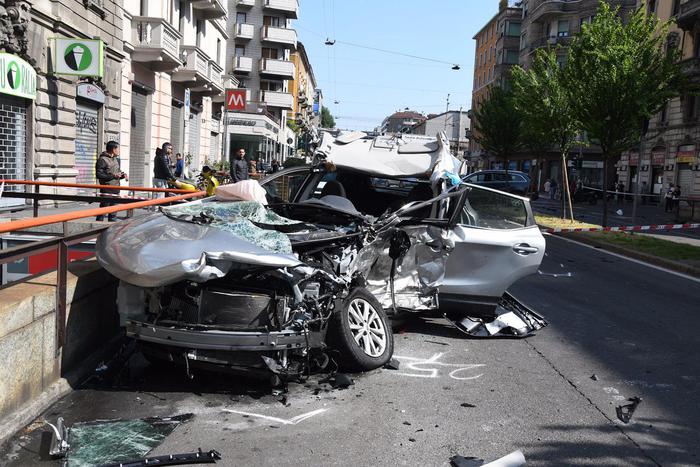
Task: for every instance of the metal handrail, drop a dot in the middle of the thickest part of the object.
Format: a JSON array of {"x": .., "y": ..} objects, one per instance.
[{"x": 98, "y": 187}]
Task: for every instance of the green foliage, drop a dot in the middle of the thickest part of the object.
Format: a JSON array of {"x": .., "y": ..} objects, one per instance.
[
  {"x": 293, "y": 162},
  {"x": 619, "y": 74},
  {"x": 498, "y": 126},
  {"x": 293, "y": 126},
  {"x": 221, "y": 166},
  {"x": 544, "y": 104},
  {"x": 327, "y": 120}
]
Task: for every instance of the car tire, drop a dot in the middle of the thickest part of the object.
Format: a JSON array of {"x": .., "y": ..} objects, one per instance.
[{"x": 361, "y": 333}]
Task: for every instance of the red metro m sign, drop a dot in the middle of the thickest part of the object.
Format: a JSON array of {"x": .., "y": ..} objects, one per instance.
[{"x": 235, "y": 99}]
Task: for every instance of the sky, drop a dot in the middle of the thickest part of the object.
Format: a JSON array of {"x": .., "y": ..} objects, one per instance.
[{"x": 370, "y": 85}]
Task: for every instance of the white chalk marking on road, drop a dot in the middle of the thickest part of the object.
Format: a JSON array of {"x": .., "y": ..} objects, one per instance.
[
  {"x": 417, "y": 365},
  {"x": 292, "y": 421},
  {"x": 649, "y": 265}
]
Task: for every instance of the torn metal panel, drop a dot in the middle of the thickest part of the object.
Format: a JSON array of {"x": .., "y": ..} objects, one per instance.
[
  {"x": 512, "y": 319},
  {"x": 418, "y": 274},
  {"x": 199, "y": 457},
  {"x": 155, "y": 250}
]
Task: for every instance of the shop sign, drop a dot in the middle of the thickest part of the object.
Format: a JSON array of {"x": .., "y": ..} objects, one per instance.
[
  {"x": 17, "y": 77},
  {"x": 634, "y": 158},
  {"x": 658, "y": 158},
  {"x": 686, "y": 155},
  {"x": 79, "y": 57},
  {"x": 591, "y": 164},
  {"x": 90, "y": 92},
  {"x": 237, "y": 122}
]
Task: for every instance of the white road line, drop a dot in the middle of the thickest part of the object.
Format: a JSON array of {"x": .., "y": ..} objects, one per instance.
[
  {"x": 617, "y": 255},
  {"x": 292, "y": 421}
]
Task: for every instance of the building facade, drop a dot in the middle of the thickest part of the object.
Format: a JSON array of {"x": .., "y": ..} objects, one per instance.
[
  {"x": 455, "y": 124},
  {"x": 54, "y": 120},
  {"x": 497, "y": 50},
  {"x": 172, "y": 82},
  {"x": 259, "y": 55},
  {"x": 670, "y": 152},
  {"x": 306, "y": 114},
  {"x": 402, "y": 121}
]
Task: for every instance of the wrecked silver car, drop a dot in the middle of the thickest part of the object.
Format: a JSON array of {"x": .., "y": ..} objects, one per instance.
[{"x": 374, "y": 227}]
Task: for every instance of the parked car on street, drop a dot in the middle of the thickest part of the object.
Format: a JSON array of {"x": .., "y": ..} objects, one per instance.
[
  {"x": 372, "y": 228},
  {"x": 512, "y": 181}
]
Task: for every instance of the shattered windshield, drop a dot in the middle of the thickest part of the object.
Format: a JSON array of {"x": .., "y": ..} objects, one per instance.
[{"x": 245, "y": 219}]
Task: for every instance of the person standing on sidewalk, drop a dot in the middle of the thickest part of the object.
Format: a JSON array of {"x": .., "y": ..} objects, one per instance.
[
  {"x": 547, "y": 186},
  {"x": 676, "y": 197},
  {"x": 239, "y": 168},
  {"x": 668, "y": 198},
  {"x": 161, "y": 167},
  {"x": 553, "y": 189},
  {"x": 108, "y": 172}
]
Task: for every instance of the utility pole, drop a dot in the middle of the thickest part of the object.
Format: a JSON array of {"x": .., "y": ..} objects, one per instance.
[
  {"x": 447, "y": 109},
  {"x": 635, "y": 198}
]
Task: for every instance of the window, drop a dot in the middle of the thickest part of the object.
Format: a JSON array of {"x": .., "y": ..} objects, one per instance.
[
  {"x": 513, "y": 29},
  {"x": 239, "y": 51},
  {"x": 268, "y": 52},
  {"x": 652, "y": 6},
  {"x": 690, "y": 108},
  {"x": 218, "y": 50},
  {"x": 676, "y": 7},
  {"x": 241, "y": 17},
  {"x": 273, "y": 21},
  {"x": 664, "y": 113},
  {"x": 183, "y": 12},
  {"x": 272, "y": 86},
  {"x": 200, "y": 32},
  {"x": 242, "y": 83},
  {"x": 284, "y": 188},
  {"x": 563, "y": 28},
  {"x": 492, "y": 210},
  {"x": 512, "y": 57}
]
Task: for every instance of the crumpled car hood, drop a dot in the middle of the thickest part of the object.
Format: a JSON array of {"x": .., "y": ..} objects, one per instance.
[{"x": 155, "y": 250}]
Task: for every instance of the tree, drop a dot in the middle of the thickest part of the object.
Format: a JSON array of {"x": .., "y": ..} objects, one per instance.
[
  {"x": 498, "y": 126},
  {"x": 545, "y": 106},
  {"x": 618, "y": 76},
  {"x": 327, "y": 120}
]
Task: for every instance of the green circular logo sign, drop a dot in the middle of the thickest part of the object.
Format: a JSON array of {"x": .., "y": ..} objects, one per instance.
[
  {"x": 14, "y": 76},
  {"x": 78, "y": 57}
]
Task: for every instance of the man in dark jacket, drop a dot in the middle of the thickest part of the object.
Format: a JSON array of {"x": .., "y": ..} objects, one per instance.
[
  {"x": 108, "y": 172},
  {"x": 239, "y": 168},
  {"x": 161, "y": 166}
]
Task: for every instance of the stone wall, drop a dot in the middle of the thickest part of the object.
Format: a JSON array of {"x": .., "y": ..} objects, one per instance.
[{"x": 34, "y": 374}]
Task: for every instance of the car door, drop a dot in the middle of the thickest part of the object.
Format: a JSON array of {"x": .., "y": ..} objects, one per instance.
[
  {"x": 283, "y": 186},
  {"x": 495, "y": 243}
]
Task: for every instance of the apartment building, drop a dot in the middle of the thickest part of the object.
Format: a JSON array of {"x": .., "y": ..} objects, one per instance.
[
  {"x": 497, "y": 46},
  {"x": 57, "y": 111},
  {"x": 259, "y": 55},
  {"x": 670, "y": 153},
  {"x": 306, "y": 113},
  {"x": 402, "y": 121},
  {"x": 172, "y": 82},
  {"x": 455, "y": 124}
]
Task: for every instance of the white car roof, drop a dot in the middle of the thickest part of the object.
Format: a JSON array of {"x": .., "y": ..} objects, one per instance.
[{"x": 389, "y": 156}]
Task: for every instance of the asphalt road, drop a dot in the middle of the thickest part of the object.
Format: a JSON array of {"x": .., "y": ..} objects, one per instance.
[{"x": 632, "y": 326}]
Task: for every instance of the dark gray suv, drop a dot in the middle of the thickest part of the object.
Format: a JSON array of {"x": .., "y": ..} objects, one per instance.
[{"x": 515, "y": 182}]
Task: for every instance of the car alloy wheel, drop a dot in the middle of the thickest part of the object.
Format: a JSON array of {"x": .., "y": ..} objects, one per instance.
[{"x": 367, "y": 327}]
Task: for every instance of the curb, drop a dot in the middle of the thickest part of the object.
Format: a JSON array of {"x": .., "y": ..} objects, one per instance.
[{"x": 647, "y": 258}]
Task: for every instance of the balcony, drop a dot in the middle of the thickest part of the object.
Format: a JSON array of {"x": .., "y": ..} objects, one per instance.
[
  {"x": 282, "y": 36},
  {"x": 209, "y": 9},
  {"x": 689, "y": 15},
  {"x": 282, "y": 100},
  {"x": 547, "y": 10},
  {"x": 245, "y": 3},
  {"x": 242, "y": 64},
  {"x": 288, "y": 7},
  {"x": 155, "y": 42},
  {"x": 243, "y": 31},
  {"x": 277, "y": 69},
  {"x": 227, "y": 82},
  {"x": 215, "y": 78},
  {"x": 551, "y": 41},
  {"x": 195, "y": 68}
]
